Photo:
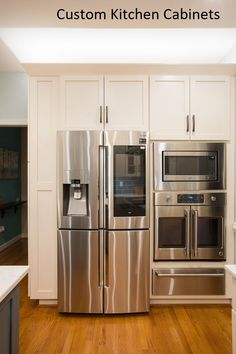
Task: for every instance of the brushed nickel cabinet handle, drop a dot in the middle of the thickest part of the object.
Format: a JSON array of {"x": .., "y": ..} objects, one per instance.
[
  {"x": 194, "y": 123},
  {"x": 100, "y": 114},
  {"x": 106, "y": 114},
  {"x": 187, "y": 119}
]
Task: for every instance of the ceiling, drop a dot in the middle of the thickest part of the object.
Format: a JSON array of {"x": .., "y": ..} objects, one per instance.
[{"x": 29, "y": 18}]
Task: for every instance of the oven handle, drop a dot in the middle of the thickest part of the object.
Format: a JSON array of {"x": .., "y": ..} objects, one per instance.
[
  {"x": 187, "y": 232},
  {"x": 195, "y": 217},
  {"x": 190, "y": 275},
  {"x": 223, "y": 235}
]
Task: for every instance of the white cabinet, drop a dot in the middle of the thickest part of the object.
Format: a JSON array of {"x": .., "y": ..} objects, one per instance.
[
  {"x": 196, "y": 107},
  {"x": 81, "y": 102},
  {"x": 43, "y": 99},
  {"x": 113, "y": 102},
  {"x": 169, "y": 107},
  {"x": 126, "y": 102},
  {"x": 210, "y": 107}
]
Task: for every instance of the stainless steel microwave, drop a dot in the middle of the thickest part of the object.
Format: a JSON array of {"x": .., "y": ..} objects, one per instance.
[{"x": 189, "y": 166}]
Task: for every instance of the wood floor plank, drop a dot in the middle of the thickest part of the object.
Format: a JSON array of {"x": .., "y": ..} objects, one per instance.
[{"x": 176, "y": 329}]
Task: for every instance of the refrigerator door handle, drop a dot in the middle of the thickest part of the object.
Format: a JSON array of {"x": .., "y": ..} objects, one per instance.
[
  {"x": 101, "y": 187},
  {"x": 106, "y": 259}
]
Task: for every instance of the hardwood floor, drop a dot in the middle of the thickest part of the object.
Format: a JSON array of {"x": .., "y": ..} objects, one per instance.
[{"x": 177, "y": 329}]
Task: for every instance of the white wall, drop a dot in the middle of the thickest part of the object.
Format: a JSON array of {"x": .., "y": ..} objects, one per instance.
[{"x": 13, "y": 98}]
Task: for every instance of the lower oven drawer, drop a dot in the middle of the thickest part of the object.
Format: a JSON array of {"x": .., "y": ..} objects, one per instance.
[{"x": 182, "y": 281}]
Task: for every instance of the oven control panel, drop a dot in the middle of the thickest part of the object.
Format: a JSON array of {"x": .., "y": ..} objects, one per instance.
[{"x": 190, "y": 198}]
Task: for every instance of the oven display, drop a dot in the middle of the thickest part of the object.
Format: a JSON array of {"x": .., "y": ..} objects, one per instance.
[{"x": 190, "y": 198}]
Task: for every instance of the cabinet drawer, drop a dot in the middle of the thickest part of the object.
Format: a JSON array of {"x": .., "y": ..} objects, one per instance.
[{"x": 182, "y": 281}]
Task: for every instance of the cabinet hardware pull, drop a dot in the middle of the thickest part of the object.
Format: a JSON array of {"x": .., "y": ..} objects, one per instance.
[
  {"x": 106, "y": 114},
  {"x": 193, "y": 122},
  {"x": 187, "y": 118},
  {"x": 100, "y": 114}
]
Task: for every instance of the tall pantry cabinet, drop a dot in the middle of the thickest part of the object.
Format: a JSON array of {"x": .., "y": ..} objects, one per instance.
[{"x": 43, "y": 113}]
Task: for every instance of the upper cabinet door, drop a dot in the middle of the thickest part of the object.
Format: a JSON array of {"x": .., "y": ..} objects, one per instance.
[
  {"x": 81, "y": 103},
  {"x": 210, "y": 107},
  {"x": 169, "y": 107},
  {"x": 126, "y": 102}
]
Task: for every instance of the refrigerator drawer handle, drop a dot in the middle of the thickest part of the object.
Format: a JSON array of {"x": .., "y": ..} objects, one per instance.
[
  {"x": 100, "y": 258},
  {"x": 106, "y": 259},
  {"x": 189, "y": 275}
]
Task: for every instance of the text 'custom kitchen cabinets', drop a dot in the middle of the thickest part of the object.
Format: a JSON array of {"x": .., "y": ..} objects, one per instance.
[
  {"x": 195, "y": 107},
  {"x": 110, "y": 102}
]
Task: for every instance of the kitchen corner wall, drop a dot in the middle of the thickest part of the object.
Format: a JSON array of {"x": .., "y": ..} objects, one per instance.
[
  {"x": 10, "y": 189},
  {"x": 13, "y": 98}
]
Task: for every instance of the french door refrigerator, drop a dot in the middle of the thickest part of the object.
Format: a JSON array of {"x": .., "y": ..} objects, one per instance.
[{"x": 103, "y": 222}]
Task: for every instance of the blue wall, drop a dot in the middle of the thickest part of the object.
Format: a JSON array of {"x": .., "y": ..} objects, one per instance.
[{"x": 10, "y": 189}]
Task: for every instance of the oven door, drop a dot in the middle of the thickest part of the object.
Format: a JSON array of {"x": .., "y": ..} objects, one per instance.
[
  {"x": 207, "y": 224},
  {"x": 172, "y": 232}
]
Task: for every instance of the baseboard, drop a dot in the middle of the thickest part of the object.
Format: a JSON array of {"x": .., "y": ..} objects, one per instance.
[{"x": 10, "y": 242}]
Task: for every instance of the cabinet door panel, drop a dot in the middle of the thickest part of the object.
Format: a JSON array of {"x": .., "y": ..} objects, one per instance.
[
  {"x": 210, "y": 106},
  {"x": 126, "y": 99},
  {"x": 82, "y": 100},
  {"x": 169, "y": 107}
]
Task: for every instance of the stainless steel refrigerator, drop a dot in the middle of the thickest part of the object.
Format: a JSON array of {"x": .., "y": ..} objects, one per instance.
[{"x": 103, "y": 222}]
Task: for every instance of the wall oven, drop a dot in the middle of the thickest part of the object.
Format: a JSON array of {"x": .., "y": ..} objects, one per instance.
[
  {"x": 189, "y": 226},
  {"x": 189, "y": 166}
]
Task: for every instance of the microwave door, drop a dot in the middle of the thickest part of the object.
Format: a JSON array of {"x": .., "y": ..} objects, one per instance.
[{"x": 207, "y": 233}]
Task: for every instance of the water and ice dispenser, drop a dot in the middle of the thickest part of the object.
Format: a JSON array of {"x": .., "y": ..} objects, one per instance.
[{"x": 75, "y": 198}]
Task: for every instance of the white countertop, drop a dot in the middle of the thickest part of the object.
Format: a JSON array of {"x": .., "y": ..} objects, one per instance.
[
  {"x": 10, "y": 276},
  {"x": 231, "y": 268}
]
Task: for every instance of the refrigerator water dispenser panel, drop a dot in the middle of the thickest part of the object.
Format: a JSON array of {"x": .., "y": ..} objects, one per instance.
[{"x": 75, "y": 199}]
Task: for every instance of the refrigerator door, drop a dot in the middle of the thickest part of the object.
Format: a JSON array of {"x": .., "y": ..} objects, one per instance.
[
  {"x": 80, "y": 271},
  {"x": 79, "y": 163},
  {"x": 126, "y": 271},
  {"x": 126, "y": 180}
]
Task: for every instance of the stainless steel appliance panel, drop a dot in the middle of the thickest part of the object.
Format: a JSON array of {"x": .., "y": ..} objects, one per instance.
[
  {"x": 172, "y": 233},
  {"x": 79, "y": 159},
  {"x": 193, "y": 166},
  {"x": 80, "y": 271},
  {"x": 126, "y": 271},
  {"x": 189, "y": 226},
  {"x": 194, "y": 281},
  {"x": 126, "y": 180}
]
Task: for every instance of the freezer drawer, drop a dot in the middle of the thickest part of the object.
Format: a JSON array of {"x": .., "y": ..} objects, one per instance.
[
  {"x": 182, "y": 281},
  {"x": 126, "y": 271},
  {"x": 79, "y": 271}
]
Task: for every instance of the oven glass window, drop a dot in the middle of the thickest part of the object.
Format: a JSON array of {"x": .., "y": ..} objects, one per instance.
[
  {"x": 171, "y": 232},
  {"x": 209, "y": 232},
  {"x": 177, "y": 166},
  {"x": 129, "y": 180}
]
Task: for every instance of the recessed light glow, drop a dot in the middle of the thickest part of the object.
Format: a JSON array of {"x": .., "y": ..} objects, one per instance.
[{"x": 77, "y": 45}]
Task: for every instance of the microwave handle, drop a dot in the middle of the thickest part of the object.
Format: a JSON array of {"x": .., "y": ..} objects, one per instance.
[{"x": 187, "y": 232}]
